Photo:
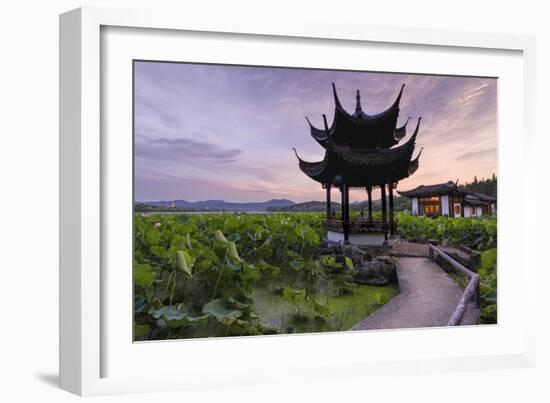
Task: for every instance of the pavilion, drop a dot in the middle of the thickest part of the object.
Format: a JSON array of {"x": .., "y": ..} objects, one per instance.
[{"x": 362, "y": 152}]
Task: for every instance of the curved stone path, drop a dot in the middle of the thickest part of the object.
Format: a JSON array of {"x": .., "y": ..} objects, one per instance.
[{"x": 428, "y": 298}]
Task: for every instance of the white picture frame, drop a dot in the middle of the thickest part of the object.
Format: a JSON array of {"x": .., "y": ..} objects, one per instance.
[{"x": 85, "y": 172}]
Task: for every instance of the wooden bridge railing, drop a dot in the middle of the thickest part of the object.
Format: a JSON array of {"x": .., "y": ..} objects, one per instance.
[{"x": 471, "y": 292}]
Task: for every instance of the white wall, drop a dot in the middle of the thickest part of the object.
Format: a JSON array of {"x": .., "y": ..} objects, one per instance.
[
  {"x": 468, "y": 211},
  {"x": 414, "y": 205},
  {"x": 29, "y": 163},
  {"x": 445, "y": 205}
]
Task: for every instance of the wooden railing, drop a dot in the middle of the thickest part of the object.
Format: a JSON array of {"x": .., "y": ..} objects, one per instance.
[
  {"x": 471, "y": 292},
  {"x": 359, "y": 227}
]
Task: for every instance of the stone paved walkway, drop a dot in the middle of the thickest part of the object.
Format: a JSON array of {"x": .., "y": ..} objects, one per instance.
[
  {"x": 405, "y": 248},
  {"x": 428, "y": 298}
]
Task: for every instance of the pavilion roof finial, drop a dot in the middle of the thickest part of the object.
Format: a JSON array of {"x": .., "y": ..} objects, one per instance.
[{"x": 358, "y": 102}]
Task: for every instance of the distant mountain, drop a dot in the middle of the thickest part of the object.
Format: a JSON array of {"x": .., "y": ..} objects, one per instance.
[
  {"x": 306, "y": 206},
  {"x": 400, "y": 204},
  {"x": 217, "y": 205}
]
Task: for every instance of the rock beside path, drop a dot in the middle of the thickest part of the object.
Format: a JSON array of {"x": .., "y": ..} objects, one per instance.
[
  {"x": 353, "y": 252},
  {"x": 379, "y": 271}
]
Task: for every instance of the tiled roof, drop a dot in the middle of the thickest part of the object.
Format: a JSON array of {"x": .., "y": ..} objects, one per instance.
[
  {"x": 473, "y": 198},
  {"x": 431, "y": 190}
]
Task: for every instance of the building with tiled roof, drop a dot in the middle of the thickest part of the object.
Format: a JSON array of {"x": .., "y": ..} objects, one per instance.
[{"x": 447, "y": 199}]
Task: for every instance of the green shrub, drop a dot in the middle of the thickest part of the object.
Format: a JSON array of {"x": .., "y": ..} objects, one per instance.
[{"x": 476, "y": 233}]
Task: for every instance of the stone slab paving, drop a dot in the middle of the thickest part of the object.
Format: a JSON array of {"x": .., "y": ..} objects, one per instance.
[
  {"x": 405, "y": 248},
  {"x": 428, "y": 298}
]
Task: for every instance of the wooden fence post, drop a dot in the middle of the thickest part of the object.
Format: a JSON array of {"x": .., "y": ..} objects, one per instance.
[{"x": 477, "y": 299}]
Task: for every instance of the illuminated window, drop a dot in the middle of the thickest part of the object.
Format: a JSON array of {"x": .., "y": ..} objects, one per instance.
[{"x": 429, "y": 205}]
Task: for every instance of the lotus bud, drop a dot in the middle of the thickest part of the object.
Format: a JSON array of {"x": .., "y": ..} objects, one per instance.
[
  {"x": 182, "y": 263},
  {"x": 188, "y": 240},
  {"x": 232, "y": 250},
  {"x": 219, "y": 236}
]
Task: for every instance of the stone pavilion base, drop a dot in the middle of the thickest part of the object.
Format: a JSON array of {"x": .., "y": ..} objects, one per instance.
[{"x": 370, "y": 239}]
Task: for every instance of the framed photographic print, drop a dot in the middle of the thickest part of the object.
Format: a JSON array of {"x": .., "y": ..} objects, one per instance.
[{"x": 267, "y": 197}]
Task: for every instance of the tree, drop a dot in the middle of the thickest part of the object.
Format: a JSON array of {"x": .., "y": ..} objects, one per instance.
[{"x": 485, "y": 186}]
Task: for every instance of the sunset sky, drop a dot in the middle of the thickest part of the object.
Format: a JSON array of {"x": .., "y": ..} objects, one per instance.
[{"x": 226, "y": 132}]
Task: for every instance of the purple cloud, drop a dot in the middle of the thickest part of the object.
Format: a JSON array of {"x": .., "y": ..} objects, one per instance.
[
  {"x": 177, "y": 149},
  {"x": 226, "y": 132}
]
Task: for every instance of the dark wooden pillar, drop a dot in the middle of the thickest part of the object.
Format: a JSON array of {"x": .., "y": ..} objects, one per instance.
[
  {"x": 384, "y": 209},
  {"x": 347, "y": 209},
  {"x": 345, "y": 212},
  {"x": 390, "y": 190},
  {"x": 369, "y": 194},
  {"x": 342, "y": 196},
  {"x": 328, "y": 201}
]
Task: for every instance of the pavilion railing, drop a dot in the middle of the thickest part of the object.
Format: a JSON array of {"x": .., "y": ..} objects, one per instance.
[
  {"x": 359, "y": 227},
  {"x": 471, "y": 292}
]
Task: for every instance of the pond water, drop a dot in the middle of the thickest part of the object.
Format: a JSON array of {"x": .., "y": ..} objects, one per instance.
[{"x": 345, "y": 310}]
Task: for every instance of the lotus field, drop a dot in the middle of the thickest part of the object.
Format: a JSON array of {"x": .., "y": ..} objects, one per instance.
[
  {"x": 237, "y": 274},
  {"x": 476, "y": 233}
]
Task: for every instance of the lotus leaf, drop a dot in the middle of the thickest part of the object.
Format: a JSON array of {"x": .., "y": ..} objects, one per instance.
[
  {"x": 217, "y": 308},
  {"x": 144, "y": 275}
]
